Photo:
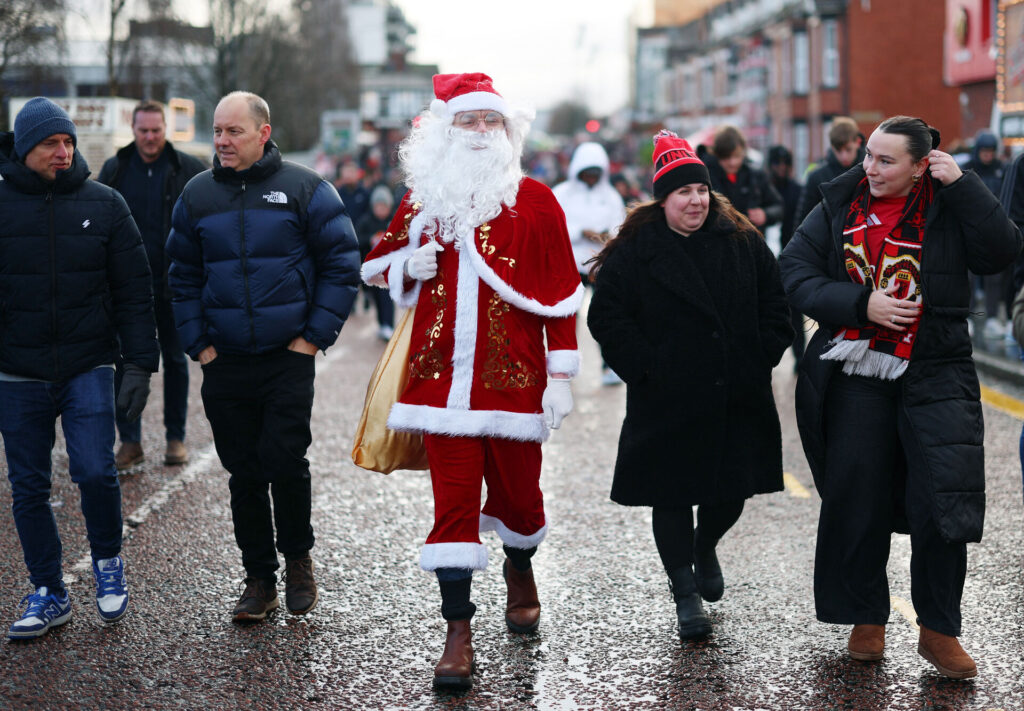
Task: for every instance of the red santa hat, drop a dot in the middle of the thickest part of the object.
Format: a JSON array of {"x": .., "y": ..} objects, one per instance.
[
  {"x": 676, "y": 164},
  {"x": 465, "y": 92}
]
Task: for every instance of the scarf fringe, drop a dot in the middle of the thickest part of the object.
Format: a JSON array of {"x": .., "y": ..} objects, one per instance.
[{"x": 858, "y": 359}]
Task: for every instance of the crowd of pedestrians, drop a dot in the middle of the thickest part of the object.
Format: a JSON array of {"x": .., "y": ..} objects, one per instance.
[{"x": 252, "y": 266}]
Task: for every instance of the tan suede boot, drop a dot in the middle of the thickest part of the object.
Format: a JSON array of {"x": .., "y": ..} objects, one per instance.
[
  {"x": 455, "y": 669},
  {"x": 867, "y": 643},
  {"x": 946, "y": 654}
]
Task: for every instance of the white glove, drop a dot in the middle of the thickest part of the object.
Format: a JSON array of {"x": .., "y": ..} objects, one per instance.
[
  {"x": 422, "y": 265},
  {"x": 557, "y": 401}
]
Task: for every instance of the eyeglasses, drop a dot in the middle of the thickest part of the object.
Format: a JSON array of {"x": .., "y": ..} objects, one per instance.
[{"x": 469, "y": 119}]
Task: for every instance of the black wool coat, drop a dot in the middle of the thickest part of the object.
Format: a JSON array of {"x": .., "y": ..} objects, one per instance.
[
  {"x": 965, "y": 229},
  {"x": 701, "y": 424}
]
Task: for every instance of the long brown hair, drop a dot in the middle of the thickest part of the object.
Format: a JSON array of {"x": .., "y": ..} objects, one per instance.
[{"x": 645, "y": 213}]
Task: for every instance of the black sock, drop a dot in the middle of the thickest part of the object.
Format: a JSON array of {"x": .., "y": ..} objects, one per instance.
[
  {"x": 520, "y": 557},
  {"x": 455, "y": 603}
]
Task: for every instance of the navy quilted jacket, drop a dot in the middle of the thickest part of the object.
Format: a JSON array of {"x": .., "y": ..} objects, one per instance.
[
  {"x": 75, "y": 285},
  {"x": 259, "y": 257}
]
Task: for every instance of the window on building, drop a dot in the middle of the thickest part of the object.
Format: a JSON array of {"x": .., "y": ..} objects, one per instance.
[
  {"x": 801, "y": 64},
  {"x": 830, "y": 54}
]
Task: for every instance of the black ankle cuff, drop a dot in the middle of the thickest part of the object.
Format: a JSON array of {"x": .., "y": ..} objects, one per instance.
[
  {"x": 455, "y": 604},
  {"x": 519, "y": 557}
]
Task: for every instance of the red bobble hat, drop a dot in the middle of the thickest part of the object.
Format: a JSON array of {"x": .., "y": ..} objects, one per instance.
[
  {"x": 675, "y": 165},
  {"x": 472, "y": 91}
]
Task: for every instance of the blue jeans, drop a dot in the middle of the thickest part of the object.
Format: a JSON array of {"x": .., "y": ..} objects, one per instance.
[
  {"x": 85, "y": 404},
  {"x": 175, "y": 367}
]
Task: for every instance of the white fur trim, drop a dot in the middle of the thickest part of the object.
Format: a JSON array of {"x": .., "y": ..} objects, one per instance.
[
  {"x": 521, "y": 426},
  {"x": 476, "y": 101},
  {"x": 372, "y": 273},
  {"x": 464, "y": 352},
  {"x": 438, "y": 107},
  {"x": 566, "y": 307},
  {"x": 510, "y": 537},
  {"x": 567, "y": 362},
  {"x": 471, "y": 556}
]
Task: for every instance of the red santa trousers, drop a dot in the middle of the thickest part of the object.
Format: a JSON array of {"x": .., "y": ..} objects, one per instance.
[{"x": 514, "y": 508}]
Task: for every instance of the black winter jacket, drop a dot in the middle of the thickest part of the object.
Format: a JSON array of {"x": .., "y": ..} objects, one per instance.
[
  {"x": 753, "y": 188},
  {"x": 73, "y": 275},
  {"x": 181, "y": 167},
  {"x": 966, "y": 229},
  {"x": 260, "y": 257},
  {"x": 829, "y": 169},
  {"x": 701, "y": 424}
]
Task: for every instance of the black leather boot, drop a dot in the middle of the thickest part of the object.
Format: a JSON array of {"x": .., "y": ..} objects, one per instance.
[
  {"x": 706, "y": 570},
  {"x": 693, "y": 622}
]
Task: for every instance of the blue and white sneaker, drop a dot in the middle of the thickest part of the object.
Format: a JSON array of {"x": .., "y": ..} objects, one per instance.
[
  {"x": 45, "y": 610},
  {"x": 111, "y": 589}
]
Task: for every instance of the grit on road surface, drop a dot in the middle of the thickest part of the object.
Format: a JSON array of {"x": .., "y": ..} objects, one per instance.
[{"x": 607, "y": 638}]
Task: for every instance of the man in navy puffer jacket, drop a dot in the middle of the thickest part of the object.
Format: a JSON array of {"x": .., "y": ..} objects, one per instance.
[
  {"x": 264, "y": 270},
  {"x": 74, "y": 293}
]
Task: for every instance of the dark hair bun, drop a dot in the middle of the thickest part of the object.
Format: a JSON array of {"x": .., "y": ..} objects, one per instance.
[{"x": 936, "y": 137}]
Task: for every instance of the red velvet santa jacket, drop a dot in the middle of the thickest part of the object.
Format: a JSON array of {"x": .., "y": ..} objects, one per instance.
[{"x": 477, "y": 363}]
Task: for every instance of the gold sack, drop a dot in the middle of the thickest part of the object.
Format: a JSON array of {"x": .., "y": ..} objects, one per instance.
[{"x": 376, "y": 447}]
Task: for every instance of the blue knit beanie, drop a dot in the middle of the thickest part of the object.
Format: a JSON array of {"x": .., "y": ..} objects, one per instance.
[{"x": 39, "y": 119}]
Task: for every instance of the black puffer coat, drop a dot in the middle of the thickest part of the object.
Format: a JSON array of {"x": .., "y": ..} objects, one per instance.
[
  {"x": 966, "y": 229},
  {"x": 701, "y": 424},
  {"x": 73, "y": 275}
]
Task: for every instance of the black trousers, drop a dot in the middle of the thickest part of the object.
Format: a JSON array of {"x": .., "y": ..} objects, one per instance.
[
  {"x": 259, "y": 409},
  {"x": 872, "y": 479}
]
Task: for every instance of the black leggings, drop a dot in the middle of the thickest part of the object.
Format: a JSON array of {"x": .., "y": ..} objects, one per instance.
[{"x": 673, "y": 529}]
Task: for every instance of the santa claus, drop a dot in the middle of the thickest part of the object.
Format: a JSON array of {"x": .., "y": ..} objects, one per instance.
[{"x": 483, "y": 254}]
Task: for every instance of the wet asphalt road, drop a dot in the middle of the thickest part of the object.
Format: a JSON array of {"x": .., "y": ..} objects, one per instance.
[{"x": 607, "y": 638}]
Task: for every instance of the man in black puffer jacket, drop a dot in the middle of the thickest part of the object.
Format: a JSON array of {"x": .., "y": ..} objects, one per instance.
[
  {"x": 150, "y": 174},
  {"x": 73, "y": 280},
  {"x": 264, "y": 270}
]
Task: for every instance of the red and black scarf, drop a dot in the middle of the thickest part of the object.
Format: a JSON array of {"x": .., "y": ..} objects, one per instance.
[{"x": 873, "y": 350}]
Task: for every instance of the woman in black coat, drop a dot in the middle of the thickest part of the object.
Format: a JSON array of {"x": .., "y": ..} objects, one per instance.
[
  {"x": 888, "y": 401},
  {"x": 689, "y": 309}
]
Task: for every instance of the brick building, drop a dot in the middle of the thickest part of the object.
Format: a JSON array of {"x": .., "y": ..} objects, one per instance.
[{"x": 782, "y": 69}]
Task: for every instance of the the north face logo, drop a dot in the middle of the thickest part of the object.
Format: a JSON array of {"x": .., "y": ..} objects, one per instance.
[{"x": 277, "y": 197}]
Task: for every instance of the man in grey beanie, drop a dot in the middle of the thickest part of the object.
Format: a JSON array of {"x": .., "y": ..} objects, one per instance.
[{"x": 75, "y": 289}]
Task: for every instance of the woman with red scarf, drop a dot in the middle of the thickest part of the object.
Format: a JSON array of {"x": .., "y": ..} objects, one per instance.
[{"x": 888, "y": 401}]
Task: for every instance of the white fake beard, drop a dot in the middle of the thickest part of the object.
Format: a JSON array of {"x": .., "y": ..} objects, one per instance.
[{"x": 462, "y": 178}]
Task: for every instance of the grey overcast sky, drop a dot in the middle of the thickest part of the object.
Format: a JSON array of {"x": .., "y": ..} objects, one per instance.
[{"x": 539, "y": 52}]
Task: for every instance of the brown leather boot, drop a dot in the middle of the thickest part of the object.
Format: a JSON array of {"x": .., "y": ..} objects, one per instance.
[
  {"x": 946, "y": 654},
  {"x": 455, "y": 670},
  {"x": 522, "y": 611},
  {"x": 867, "y": 643},
  {"x": 176, "y": 453},
  {"x": 128, "y": 455}
]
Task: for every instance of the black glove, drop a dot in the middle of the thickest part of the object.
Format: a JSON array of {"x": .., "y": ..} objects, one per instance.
[{"x": 131, "y": 398}]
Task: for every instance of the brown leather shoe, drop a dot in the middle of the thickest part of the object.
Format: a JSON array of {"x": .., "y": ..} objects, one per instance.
[
  {"x": 946, "y": 654},
  {"x": 258, "y": 598},
  {"x": 867, "y": 643},
  {"x": 176, "y": 452},
  {"x": 522, "y": 611},
  {"x": 128, "y": 455},
  {"x": 455, "y": 670},
  {"x": 300, "y": 593}
]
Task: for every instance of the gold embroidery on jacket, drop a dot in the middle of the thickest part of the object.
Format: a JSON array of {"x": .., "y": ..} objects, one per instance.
[
  {"x": 500, "y": 371},
  {"x": 427, "y": 363},
  {"x": 404, "y": 234}
]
